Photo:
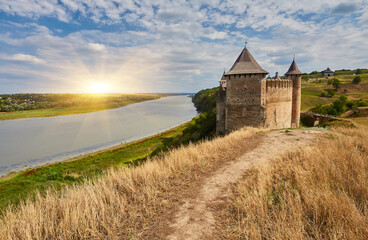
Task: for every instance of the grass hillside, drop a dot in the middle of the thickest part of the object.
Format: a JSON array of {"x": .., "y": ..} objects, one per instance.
[
  {"x": 18, "y": 187},
  {"x": 123, "y": 204},
  {"x": 316, "y": 85},
  {"x": 318, "y": 192},
  {"x": 300, "y": 195}
]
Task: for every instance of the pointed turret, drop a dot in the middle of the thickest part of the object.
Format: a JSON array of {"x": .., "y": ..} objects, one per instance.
[
  {"x": 223, "y": 76},
  {"x": 277, "y": 77},
  {"x": 293, "y": 69},
  {"x": 246, "y": 64},
  {"x": 296, "y": 76}
]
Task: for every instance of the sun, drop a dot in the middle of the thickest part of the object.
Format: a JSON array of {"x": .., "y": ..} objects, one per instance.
[{"x": 99, "y": 87}]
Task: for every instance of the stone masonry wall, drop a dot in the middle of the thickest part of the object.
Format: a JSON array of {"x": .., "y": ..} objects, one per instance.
[
  {"x": 279, "y": 103},
  {"x": 220, "y": 111},
  {"x": 245, "y": 101}
]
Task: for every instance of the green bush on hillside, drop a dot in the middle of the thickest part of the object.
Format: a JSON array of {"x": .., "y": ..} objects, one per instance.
[
  {"x": 339, "y": 106},
  {"x": 357, "y": 79},
  {"x": 331, "y": 92},
  {"x": 336, "y": 83},
  {"x": 205, "y": 100}
]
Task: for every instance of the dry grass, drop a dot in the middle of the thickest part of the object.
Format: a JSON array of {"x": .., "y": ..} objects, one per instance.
[
  {"x": 318, "y": 192},
  {"x": 122, "y": 204}
]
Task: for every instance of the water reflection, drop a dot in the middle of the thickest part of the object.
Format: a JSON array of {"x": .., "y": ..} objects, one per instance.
[{"x": 30, "y": 142}]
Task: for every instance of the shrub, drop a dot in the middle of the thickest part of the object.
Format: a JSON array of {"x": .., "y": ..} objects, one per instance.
[
  {"x": 357, "y": 79},
  {"x": 340, "y": 104},
  {"x": 329, "y": 81},
  {"x": 331, "y": 92},
  {"x": 336, "y": 83},
  {"x": 205, "y": 100}
]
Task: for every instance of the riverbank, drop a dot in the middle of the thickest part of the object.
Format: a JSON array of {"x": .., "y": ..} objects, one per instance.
[
  {"x": 79, "y": 103},
  {"x": 18, "y": 186}
]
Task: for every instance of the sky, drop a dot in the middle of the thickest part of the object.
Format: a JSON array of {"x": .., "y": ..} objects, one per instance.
[{"x": 77, "y": 46}]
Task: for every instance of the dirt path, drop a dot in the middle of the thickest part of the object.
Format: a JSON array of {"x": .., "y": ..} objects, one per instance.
[{"x": 195, "y": 219}]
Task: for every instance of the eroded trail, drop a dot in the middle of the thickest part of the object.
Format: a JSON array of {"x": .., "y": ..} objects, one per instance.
[{"x": 194, "y": 219}]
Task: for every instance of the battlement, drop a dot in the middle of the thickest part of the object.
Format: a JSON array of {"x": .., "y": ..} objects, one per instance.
[{"x": 279, "y": 83}]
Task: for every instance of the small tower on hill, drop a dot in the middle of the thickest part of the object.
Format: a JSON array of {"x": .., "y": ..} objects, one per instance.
[{"x": 296, "y": 76}]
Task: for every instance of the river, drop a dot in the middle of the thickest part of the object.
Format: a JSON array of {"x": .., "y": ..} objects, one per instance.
[{"x": 31, "y": 142}]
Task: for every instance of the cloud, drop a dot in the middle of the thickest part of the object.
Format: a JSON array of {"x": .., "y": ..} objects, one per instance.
[
  {"x": 345, "y": 8},
  {"x": 166, "y": 45},
  {"x": 96, "y": 46},
  {"x": 35, "y": 9},
  {"x": 22, "y": 58}
]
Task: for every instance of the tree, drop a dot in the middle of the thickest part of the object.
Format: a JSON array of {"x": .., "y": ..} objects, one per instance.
[
  {"x": 358, "y": 71},
  {"x": 330, "y": 92},
  {"x": 337, "y": 84},
  {"x": 329, "y": 81},
  {"x": 340, "y": 105},
  {"x": 357, "y": 79}
]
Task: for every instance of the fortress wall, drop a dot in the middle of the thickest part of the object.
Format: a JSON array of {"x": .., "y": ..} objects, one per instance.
[
  {"x": 220, "y": 111},
  {"x": 244, "y": 101},
  {"x": 279, "y": 103},
  {"x": 295, "y": 115}
]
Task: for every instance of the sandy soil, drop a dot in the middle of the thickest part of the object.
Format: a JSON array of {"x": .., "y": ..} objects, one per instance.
[{"x": 194, "y": 218}]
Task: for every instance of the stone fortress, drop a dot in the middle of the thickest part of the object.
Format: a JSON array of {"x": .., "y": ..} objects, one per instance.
[{"x": 247, "y": 98}]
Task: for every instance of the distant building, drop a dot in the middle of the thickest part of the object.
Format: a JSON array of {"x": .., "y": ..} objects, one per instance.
[
  {"x": 328, "y": 72},
  {"x": 247, "y": 98}
]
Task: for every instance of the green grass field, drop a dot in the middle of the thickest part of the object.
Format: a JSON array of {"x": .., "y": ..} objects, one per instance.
[
  {"x": 312, "y": 90},
  {"x": 17, "y": 187},
  {"x": 122, "y": 100}
]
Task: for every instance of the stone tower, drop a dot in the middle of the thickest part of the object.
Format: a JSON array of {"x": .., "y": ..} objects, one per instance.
[
  {"x": 241, "y": 100},
  {"x": 296, "y": 76},
  {"x": 247, "y": 98}
]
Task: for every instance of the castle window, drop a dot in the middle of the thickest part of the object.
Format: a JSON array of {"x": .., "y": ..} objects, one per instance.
[
  {"x": 253, "y": 99},
  {"x": 237, "y": 100},
  {"x": 253, "y": 89}
]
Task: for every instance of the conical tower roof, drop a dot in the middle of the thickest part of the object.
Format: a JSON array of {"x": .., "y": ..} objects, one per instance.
[
  {"x": 223, "y": 76},
  {"x": 277, "y": 77},
  {"x": 328, "y": 70},
  {"x": 246, "y": 64},
  {"x": 293, "y": 70}
]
